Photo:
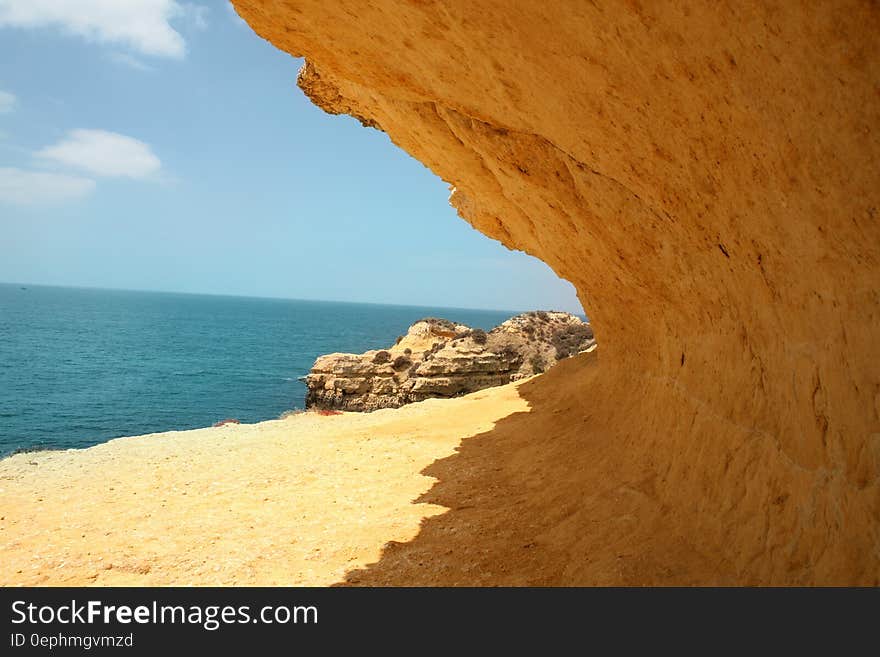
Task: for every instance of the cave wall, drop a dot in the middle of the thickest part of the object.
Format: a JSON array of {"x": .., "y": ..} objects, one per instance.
[{"x": 707, "y": 175}]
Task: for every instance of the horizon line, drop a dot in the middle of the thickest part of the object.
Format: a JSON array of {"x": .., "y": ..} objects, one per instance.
[{"x": 277, "y": 298}]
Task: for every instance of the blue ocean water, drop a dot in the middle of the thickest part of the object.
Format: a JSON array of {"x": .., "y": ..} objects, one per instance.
[{"x": 80, "y": 366}]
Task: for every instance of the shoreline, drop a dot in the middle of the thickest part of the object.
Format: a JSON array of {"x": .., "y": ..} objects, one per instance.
[{"x": 296, "y": 501}]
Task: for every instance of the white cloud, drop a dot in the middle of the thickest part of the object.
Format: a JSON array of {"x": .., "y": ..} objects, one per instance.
[
  {"x": 143, "y": 25},
  {"x": 104, "y": 153},
  {"x": 98, "y": 152},
  {"x": 7, "y": 101},
  {"x": 38, "y": 187}
]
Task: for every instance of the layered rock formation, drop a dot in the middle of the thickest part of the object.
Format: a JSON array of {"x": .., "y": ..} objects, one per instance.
[
  {"x": 706, "y": 174},
  {"x": 438, "y": 358}
]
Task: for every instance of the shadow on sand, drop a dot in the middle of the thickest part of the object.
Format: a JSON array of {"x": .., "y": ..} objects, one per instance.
[{"x": 544, "y": 498}]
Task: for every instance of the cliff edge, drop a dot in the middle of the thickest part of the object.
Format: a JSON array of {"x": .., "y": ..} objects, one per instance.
[
  {"x": 439, "y": 358},
  {"x": 706, "y": 176}
]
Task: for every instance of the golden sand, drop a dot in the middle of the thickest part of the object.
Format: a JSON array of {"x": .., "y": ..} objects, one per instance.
[{"x": 297, "y": 501}]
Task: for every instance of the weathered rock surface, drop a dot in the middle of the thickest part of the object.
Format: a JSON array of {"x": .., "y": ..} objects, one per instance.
[
  {"x": 706, "y": 174},
  {"x": 437, "y": 358}
]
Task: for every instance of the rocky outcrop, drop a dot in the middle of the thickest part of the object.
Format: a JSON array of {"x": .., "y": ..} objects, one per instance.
[
  {"x": 705, "y": 174},
  {"x": 438, "y": 358}
]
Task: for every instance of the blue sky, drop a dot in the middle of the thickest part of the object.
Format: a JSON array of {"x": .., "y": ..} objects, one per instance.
[{"x": 162, "y": 145}]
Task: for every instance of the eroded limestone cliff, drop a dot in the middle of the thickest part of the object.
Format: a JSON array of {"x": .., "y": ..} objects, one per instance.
[
  {"x": 708, "y": 176},
  {"x": 439, "y": 358}
]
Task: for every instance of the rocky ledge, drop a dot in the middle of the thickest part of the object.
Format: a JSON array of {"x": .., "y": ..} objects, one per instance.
[{"x": 439, "y": 358}]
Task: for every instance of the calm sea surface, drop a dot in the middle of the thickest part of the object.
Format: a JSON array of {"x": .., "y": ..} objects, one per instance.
[{"x": 81, "y": 366}]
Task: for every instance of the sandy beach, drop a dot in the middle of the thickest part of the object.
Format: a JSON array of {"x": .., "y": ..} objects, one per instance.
[
  {"x": 523, "y": 484},
  {"x": 298, "y": 501}
]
